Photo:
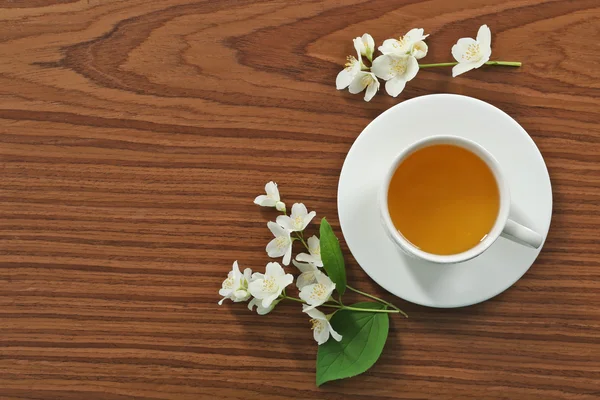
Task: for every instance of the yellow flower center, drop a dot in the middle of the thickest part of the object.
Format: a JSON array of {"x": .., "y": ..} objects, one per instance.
[
  {"x": 398, "y": 67},
  {"x": 317, "y": 325},
  {"x": 298, "y": 221},
  {"x": 366, "y": 80},
  {"x": 419, "y": 47},
  {"x": 228, "y": 283},
  {"x": 281, "y": 242},
  {"x": 319, "y": 291},
  {"x": 269, "y": 285},
  {"x": 472, "y": 52},
  {"x": 400, "y": 42},
  {"x": 351, "y": 60}
]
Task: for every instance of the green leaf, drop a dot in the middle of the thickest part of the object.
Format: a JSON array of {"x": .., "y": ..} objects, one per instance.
[
  {"x": 333, "y": 259},
  {"x": 363, "y": 337}
]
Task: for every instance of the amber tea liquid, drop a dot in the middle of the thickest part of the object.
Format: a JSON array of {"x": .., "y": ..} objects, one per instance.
[{"x": 443, "y": 199}]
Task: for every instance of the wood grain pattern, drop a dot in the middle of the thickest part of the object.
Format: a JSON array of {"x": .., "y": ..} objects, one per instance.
[{"x": 135, "y": 134}]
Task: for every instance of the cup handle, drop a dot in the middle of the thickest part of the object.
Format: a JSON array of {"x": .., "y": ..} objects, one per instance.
[{"x": 521, "y": 234}]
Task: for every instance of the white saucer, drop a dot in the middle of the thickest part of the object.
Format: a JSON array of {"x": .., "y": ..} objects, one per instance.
[{"x": 371, "y": 155}]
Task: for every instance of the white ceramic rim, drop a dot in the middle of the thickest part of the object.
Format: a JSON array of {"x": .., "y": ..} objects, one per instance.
[
  {"x": 501, "y": 218},
  {"x": 518, "y": 264}
]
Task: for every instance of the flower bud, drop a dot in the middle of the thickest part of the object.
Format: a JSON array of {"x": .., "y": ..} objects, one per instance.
[{"x": 280, "y": 206}]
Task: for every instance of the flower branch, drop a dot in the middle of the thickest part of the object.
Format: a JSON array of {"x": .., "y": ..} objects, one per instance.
[
  {"x": 398, "y": 62},
  {"x": 450, "y": 64},
  {"x": 321, "y": 283},
  {"x": 343, "y": 307}
]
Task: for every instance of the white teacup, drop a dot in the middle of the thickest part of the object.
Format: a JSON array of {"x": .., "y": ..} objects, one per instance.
[{"x": 503, "y": 225}]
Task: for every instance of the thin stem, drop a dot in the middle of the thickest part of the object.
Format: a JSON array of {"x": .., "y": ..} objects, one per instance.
[
  {"x": 335, "y": 301},
  {"x": 360, "y": 309},
  {"x": 387, "y": 303},
  {"x": 450, "y": 64},
  {"x": 370, "y": 310},
  {"x": 284, "y": 297},
  {"x": 505, "y": 63},
  {"x": 300, "y": 238},
  {"x": 371, "y": 297}
]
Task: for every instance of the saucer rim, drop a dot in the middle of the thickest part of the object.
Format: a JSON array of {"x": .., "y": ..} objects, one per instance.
[{"x": 493, "y": 108}]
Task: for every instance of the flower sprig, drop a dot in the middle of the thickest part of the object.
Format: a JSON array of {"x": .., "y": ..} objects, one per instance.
[
  {"x": 321, "y": 273},
  {"x": 398, "y": 62}
]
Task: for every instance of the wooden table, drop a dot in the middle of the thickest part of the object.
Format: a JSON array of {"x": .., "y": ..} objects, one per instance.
[{"x": 136, "y": 134}]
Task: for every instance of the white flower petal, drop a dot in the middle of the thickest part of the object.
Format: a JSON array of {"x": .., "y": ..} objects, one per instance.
[
  {"x": 247, "y": 274},
  {"x": 336, "y": 336},
  {"x": 299, "y": 210},
  {"x": 264, "y": 201},
  {"x": 389, "y": 46},
  {"x": 306, "y": 293},
  {"x": 356, "y": 68},
  {"x": 256, "y": 289},
  {"x": 304, "y": 267},
  {"x": 280, "y": 206},
  {"x": 274, "y": 249},
  {"x": 369, "y": 41},
  {"x": 412, "y": 68},
  {"x": 286, "y": 280},
  {"x": 382, "y": 67},
  {"x": 318, "y": 293},
  {"x": 313, "y": 312},
  {"x": 270, "y": 198},
  {"x": 240, "y": 295},
  {"x": 484, "y": 37},
  {"x": 321, "y": 332},
  {"x": 371, "y": 90},
  {"x": 260, "y": 310},
  {"x": 359, "y": 46},
  {"x": 276, "y": 228},
  {"x": 462, "y": 68},
  {"x": 314, "y": 260},
  {"x": 263, "y": 311},
  {"x": 482, "y": 61},
  {"x": 359, "y": 83},
  {"x": 314, "y": 245},
  {"x": 321, "y": 327},
  {"x": 395, "y": 86},
  {"x": 287, "y": 256},
  {"x": 344, "y": 78},
  {"x": 415, "y": 35},
  {"x": 257, "y": 275},
  {"x": 325, "y": 281},
  {"x": 274, "y": 269},
  {"x": 307, "y": 258},
  {"x": 308, "y": 275},
  {"x": 305, "y": 279},
  {"x": 252, "y": 303},
  {"x": 419, "y": 50},
  {"x": 460, "y": 48},
  {"x": 272, "y": 191},
  {"x": 308, "y": 217},
  {"x": 268, "y": 300},
  {"x": 236, "y": 269},
  {"x": 285, "y": 223}
]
